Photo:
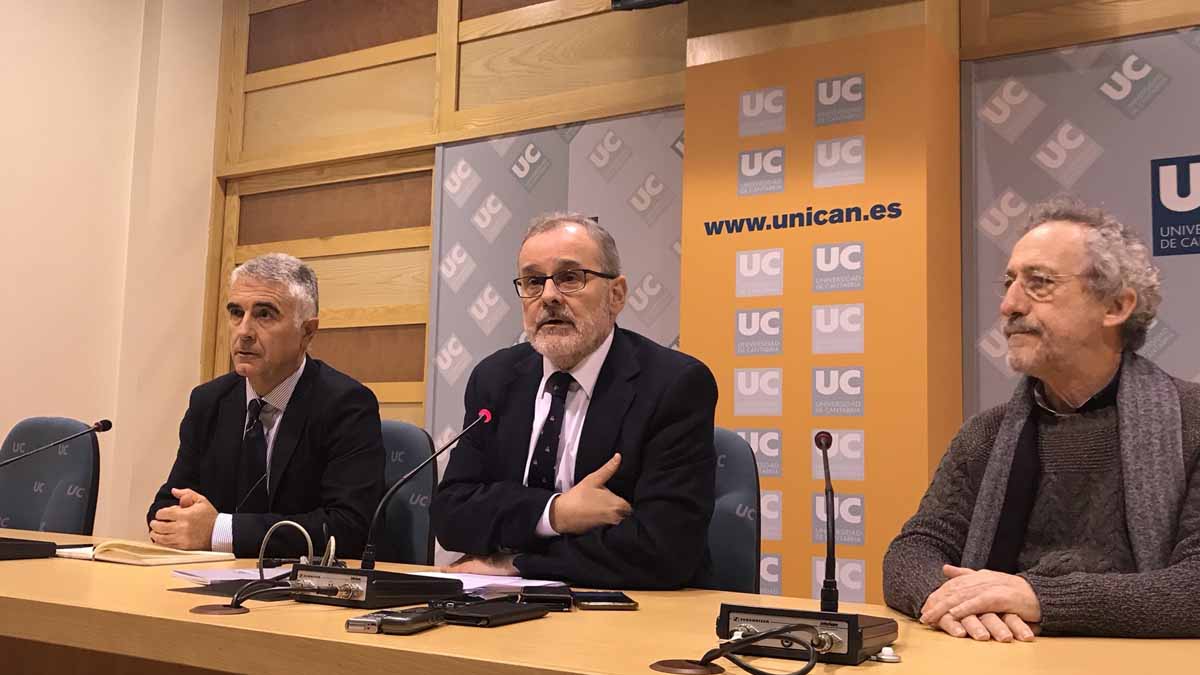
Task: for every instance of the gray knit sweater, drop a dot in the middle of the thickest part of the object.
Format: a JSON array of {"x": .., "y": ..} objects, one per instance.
[{"x": 1077, "y": 553}]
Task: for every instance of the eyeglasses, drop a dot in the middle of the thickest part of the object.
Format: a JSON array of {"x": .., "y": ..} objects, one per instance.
[
  {"x": 566, "y": 281},
  {"x": 1039, "y": 286}
]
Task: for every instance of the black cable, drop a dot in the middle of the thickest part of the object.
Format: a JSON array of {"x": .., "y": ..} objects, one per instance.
[
  {"x": 729, "y": 649},
  {"x": 245, "y": 591}
]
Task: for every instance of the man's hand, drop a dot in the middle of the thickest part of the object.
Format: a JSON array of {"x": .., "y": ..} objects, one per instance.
[
  {"x": 496, "y": 565},
  {"x": 987, "y": 626},
  {"x": 589, "y": 504},
  {"x": 188, "y": 526},
  {"x": 968, "y": 592}
]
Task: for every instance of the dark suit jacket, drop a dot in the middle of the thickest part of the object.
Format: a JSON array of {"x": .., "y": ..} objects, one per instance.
[
  {"x": 326, "y": 464},
  {"x": 653, "y": 405}
]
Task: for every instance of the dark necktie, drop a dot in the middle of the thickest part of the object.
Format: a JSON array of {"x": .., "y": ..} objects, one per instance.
[
  {"x": 543, "y": 464},
  {"x": 253, "y": 492}
]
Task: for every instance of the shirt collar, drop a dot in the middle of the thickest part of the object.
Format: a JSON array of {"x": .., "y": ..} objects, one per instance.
[
  {"x": 586, "y": 372},
  {"x": 1105, "y": 397},
  {"x": 279, "y": 396}
]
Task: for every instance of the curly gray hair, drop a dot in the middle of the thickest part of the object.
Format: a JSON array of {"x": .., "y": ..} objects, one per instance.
[
  {"x": 610, "y": 260},
  {"x": 1118, "y": 260},
  {"x": 288, "y": 271}
]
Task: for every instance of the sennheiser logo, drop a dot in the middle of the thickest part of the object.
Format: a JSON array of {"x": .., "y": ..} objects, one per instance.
[
  {"x": 759, "y": 272},
  {"x": 993, "y": 346},
  {"x": 1133, "y": 85},
  {"x": 452, "y": 360},
  {"x": 770, "y": 574},
  {"x": 491, "y": 217},
  {"x": 677, "y": 146},
  {"x": 758, "y": 331},
  {"x": 460, "y": 182},
  {"x": 1011, "y": 109},
  {"x": 488, "y": 309},
  {"x": 1067, "y": 154},
  {"x": 1175, "y": 204},
  {"x": 457, "y": 266},
  {"x": 837, "y": 392},
  {"x": 851, "y": 578},
  {"x": 839, "y": 161},
  {"x": 649, "y": 299},
  {"x": 841, "y": 99},
  {"x": 760, "y": 171},
  {"x": 847, "y": 455},
  {"x": 838, "y": 329},
  {"x": 609, "y": 155},
  {"x": 762, "y": 111},
  {"x": 1003, "y": 221},
  {"x": 849, "y": 524},
  {"x": 651, "y": 199},
  {"x": 767, "y": 445},
  {"x": 1158, "y": 338},
  {"x": 838, "y": 267},
  {"x": 771, "y": 508},
  {"x": 530, "y": 166},
  {"x": 758, "y": 391}
]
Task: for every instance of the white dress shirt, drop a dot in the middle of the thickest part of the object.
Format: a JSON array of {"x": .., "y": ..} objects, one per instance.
[
  {"x": 271, "y": 414},
  {"x": 579, "y": 396}
]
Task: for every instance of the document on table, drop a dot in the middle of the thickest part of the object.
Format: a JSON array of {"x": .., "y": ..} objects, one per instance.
[
  {"x": 472, "y": 582},
  {"x": 209, "y": 577}
]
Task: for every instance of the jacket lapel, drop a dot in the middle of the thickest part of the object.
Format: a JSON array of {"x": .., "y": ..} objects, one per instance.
[
  {"x": 291, "y": 427},
  {"x": 517, "y": 426},
  {"x": 611, "y": 398},
  {"x": 231, "y": 422}
]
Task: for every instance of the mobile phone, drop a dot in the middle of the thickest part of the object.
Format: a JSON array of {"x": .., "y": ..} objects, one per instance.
[
  {"x": 554, "y": 598},
  {"x": 473, "y": 598},
  {"x": 491, "y": 614},
  {"x": 409, "y": 621},
  {"x": 367, "y": 623},
  {"x": 603, "y": 600}
]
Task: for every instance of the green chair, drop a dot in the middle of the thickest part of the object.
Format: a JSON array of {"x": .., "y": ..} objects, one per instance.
[
  {"x": 405, "y": 535},
  {"x": 54, "y": 491},
  {"x": 734, "y": 540}
]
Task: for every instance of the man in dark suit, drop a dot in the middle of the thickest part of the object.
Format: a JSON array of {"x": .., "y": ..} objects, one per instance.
[
  {"x": 283, "y": 437},
  {"x": 599, "y": 468}
]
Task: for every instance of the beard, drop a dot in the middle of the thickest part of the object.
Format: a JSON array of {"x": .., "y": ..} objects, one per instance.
[
  {"x": 1030, "y": 359},
  {"x": 564, "y": 338}
]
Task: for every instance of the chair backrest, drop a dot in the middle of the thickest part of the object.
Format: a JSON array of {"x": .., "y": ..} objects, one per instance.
[
  {"x": 734, "y": 542},
  {"x": 405, "y": 535},
  {"x": 55, "y": 490}
]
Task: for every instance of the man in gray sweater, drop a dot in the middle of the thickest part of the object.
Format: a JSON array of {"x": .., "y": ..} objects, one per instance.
[{"x": 1075, "y": 505}]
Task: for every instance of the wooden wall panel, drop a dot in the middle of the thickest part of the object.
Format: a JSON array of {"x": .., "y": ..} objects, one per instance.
[
  {"x": 349, "y": 105},
  {"x": 413, "y": 413},
  {"x": 710, "y": 17},
  {"x": 373, "y": 279},
  {"x": 371, "y": 205},
  {"x": 998, "y": 27},
  {"x": 473, "y": 9},
  {"x": 374, "y": 353},
  {"x": 319, "y": 28},
  {"x": 595, "y": 50}
]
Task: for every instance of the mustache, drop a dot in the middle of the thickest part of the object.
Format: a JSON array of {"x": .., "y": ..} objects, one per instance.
[
  {"x": 1020, "y": 325},
  {"x": 555, "y": 313}
]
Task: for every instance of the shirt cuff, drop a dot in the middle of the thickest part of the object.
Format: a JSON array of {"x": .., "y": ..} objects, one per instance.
[
  {"x": 222, "y": 536},
  {"x": 543, "y": 529}
]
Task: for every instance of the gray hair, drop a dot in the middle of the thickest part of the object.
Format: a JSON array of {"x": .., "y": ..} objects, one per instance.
[
  {"x": 1118, "y": 260},
  {"x": 288, "y": 271},
  {"x": 610, "y": 260}
]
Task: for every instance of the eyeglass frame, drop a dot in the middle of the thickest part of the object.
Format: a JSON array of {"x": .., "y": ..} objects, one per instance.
[
  {"x": 550, "y": 277},
  {"x": 1004, "y": 284}
]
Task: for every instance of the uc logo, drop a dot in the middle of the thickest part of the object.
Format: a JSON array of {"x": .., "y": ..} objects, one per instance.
[
  {"x": 644, "y": 197},
  {"x": 996, "y": 219},
  {"x": 525, "y": 162},
  {"x": 1000, "y": 106},
  {"x": 453, "y": 261},
  {"x": 847, "y": 257},
  {"x": 849, "y": 509},
  {"x": 641, "y": 296},
  {"x": 755, "y": 103},
  {"x": 753, "y": 263},
  {"x": 754, "y": 322},
  {"x": 458, "y": 176},
  {"x": 1168, "y": 181},
  {"x": 834, "y": 319},
  {"x": 756, "y": 382},
  {"x": 1053, "y": 154},
  {"x": 604, "y": 150},
  {"x": 484, "y": 303},
  {"x": 831, "y": 381},
  {"x": 833, "y": 153},
  {"x": 487, "y": 210},
  {"x": 832, "y": 91},
  {"x": 758, "y": 161},
  {"x": 1120, "y": 82},
  {"x": 447, "y": 354},
  {"x": 764, "y": 443}
]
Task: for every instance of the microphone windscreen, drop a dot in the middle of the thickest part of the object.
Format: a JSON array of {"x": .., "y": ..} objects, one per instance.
[
  {"x": 102, "y": 425},
  {"x": 823, "y": 440},
  {"x": 486, "y": 415}
]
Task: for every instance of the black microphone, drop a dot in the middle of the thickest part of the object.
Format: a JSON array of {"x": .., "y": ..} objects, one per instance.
[
  {"x": 829, "y": 589},
  {"x": 368, "y": 557},
  {"x": 98, "y": 427}
]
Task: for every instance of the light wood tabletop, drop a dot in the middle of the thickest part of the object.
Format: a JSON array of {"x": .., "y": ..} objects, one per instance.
[{"x": 127, "y": 611}]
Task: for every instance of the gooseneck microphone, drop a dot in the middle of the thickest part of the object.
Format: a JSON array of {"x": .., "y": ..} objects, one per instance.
[
  {"x": 98, "y": 427},
  {"x": 368, "y": 556},
  {"x": 829, "y": 589}
]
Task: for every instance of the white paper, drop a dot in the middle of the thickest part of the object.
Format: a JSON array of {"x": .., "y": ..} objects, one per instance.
[
  {"x": 77, "y": 552},
  {"x": 206, "y": 577},
  {"x": 472, "y": 582}
]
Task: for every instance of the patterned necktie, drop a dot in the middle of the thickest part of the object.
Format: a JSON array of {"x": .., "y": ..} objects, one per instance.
[
  {"x": 252, "y": 493},
  {"x": 543, "y": 465}
]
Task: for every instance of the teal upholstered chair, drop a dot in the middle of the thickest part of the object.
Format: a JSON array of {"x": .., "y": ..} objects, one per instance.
[
  {"x": 405, "y": 534},
  {"x": 734, "y": 533},
  {"x": 54, "y": 491}
]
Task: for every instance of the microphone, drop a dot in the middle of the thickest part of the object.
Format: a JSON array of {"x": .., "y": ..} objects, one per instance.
[
  {"x": 367, "y": 587},
  {"x": 98, "y": 427},
  {"x": 829, "y": 589},
  {"x": 368, "y": 557}
]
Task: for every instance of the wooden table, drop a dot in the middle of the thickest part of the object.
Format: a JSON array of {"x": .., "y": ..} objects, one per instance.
[{"x": 63, "y": 616}]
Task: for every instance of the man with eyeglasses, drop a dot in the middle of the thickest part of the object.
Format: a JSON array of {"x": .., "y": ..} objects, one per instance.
[
  {"x": 1075, "y": 506},
  {"x": 599, "y": 467}
]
